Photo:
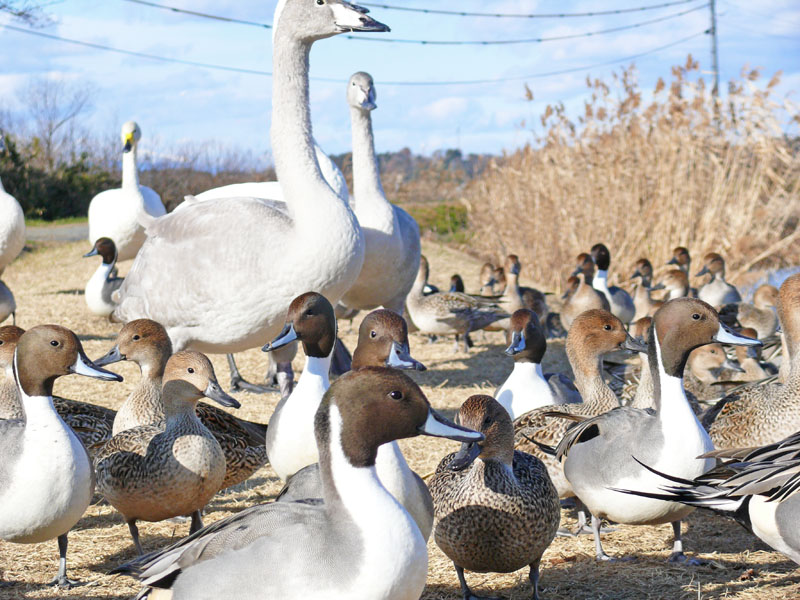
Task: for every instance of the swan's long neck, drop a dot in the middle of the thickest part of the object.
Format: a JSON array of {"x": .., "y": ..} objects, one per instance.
[
  {"x": 292, "y": 143},
  {"x": 366, "y": 176},
  {"x": 130, "y": 176}
]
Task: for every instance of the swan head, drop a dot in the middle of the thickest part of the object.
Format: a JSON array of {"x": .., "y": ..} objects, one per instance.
[
  {"x": 313, "y": 20},
  {"x": 131, "y": 134},
  {"x": 361, "y": 91}
]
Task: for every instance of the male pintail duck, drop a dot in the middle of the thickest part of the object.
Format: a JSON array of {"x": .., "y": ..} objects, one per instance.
[
  {"x": 757, "y": 487},
  {"x": 762, "y": 414},
  {"x": 155, "y": 472},
  {"x": 598, "y": 453},
  {"x": 448, "y": 313},
  {"x": 716, "y": 292},
  {"x": 527, "y": 387},
  {"x": 619, "y": 300},
  {"x": 46, "y": 477},
  {"x": 290, "y": 435},
  {"x": 645, "y": 305},
  {"x": 580, "y": 295},
  {"x": 146, "y": 343},
  {"x": 382, "y": 341},
  {"x": 104, "y": 281},
  {"x": 592, "y": 335},
  {"x": 91, "y": 423},
  {"x": 496, "y": 508},
  {"x": 360, "y": 543}
]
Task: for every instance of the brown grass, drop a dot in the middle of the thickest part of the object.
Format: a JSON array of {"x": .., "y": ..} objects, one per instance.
[
  {"x": 643, "y": 176},
  {"x": 47, "y": 285}
]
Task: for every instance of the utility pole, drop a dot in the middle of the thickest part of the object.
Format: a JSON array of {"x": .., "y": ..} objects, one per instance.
[{"x": 714, "y": 59}]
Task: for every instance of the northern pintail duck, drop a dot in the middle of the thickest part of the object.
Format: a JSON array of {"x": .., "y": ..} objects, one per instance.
[
  {"x": 676, "y": 282},
  {"x": 46, "y": 477},
  {"x": 762, "y": 414},
  {"x": 103, "y": 282},
  {"x": 749, "y": 359},
  {"x": 90, "y": 422},
  {"x": 716, "y": 292},
  {"x": 360, "y": 543},
  {"x": 580, "y": 295},
  {"x": 760, "y": 315},
  {"x": 757, "y": 487},
  {"x": 290, "y": 435},
  {"x": 448, "y": 313},
  {"x": 704, "y": 368},
  {"x": 645, "y": 305},
  {"x": 382, "y": 341},
  {"x": 619, "y": 300},
  {"x": 487, "y": 279},
  {"x": 683, "y": 260},
  {"x": 456, "y": 283},
  {"x": 592, "y": 335},
  {"x": 146, "y": 343},
  {"x": 601, "y": 453},
  {"x": 516, "y": 296},
  {"x": 117, "y": 213},
  {"x": 527, "y": 387},
  {"x": 496, "y": 508},
  {"x": 155, "y": 472}
]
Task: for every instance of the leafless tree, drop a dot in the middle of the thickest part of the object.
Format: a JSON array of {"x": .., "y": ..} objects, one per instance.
[
  {"x": 25, "y": 10},
  {"x": 54, "y": 106}
]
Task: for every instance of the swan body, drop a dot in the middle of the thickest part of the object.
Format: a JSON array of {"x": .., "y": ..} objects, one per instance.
[
  {"x": 117, "y": 213},
  {"x": 12, "y": 225}
]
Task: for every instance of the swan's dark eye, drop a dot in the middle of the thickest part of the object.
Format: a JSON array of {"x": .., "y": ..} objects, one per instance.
[
  {"x": 696, "y": 316},
  {"x": 190, "y": 369},
  {"x": 607, "y": 327},
  {"x": 137, "y": 337},
  {"x": 373, "y": 333},
  {"x": 396, "y": 395},
  {"x": 54, "y": 343}
]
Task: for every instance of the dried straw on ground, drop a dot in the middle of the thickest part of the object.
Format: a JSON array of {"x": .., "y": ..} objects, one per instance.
[{"x": 48, "y": 283}]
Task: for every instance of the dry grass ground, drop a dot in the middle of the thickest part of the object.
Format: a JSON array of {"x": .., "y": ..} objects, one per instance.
[{"x": 48, "y": 285}]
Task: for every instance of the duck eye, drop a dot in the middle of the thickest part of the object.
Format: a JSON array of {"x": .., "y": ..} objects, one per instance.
[
  {"x": 1, "y": 342},
  {"x": 320, "y": 2},
  {"x": 136, "y": 337},
  {"x": 713, "y": 352},
  {"x": 190, "y": 369},
  {"x": 696, "y": 316},
  {"x": 309, "y": 313},
  {"x": 54, "y": 343},
  {"x": 373, "y": 333},
  {"x": 607, "y": 327},
  {"x": 487, "y": 421},
  {"x": 396, "y": 395}
]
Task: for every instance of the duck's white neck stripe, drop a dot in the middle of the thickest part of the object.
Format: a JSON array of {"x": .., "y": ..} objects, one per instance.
[{"x": 600, "y": 281}]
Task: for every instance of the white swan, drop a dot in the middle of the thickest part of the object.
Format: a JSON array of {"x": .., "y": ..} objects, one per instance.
[
  {"x": 12, "y": 240},
  {"x": 391, "y": 235},
  {"x": 220, "y": 275},
  {"x": 116, "y": 213}
]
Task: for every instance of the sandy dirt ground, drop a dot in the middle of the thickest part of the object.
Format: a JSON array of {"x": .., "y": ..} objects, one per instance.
[{"x": 48, "y": 283}]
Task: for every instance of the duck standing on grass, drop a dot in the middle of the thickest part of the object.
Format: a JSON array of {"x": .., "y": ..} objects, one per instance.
[{"x": 496, "y": 509}]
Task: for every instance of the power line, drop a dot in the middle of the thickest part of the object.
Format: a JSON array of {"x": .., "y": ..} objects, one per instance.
[
  {"x": 247, "y": 71},
  {"x": 460, "y": 13},
  {"x": 525, "y": 41},
  {"x": 201, "y": 14}
]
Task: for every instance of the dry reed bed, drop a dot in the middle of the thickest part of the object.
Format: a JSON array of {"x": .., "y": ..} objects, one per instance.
[
  {"x": 645, "y": 177},
  {"x": 47, "y": 283}
]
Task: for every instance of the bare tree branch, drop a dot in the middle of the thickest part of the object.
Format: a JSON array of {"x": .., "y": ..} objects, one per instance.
[{"x": 28, "y": 11}]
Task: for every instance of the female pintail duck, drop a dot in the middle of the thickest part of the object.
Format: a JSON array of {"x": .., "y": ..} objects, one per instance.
[
  {"x": 46, "y": 477},
  {"x": 290, "y": 435},
  {"x": 104, "y": 282},
  {"x": 749, "y": 359},
  {"x": 90, "y": 422},
  {"x": 619, "y": 300},
  {"x": 760, "y": 315},
  {"x": 315, "y": 232},
  {"x": 645, "y": 305},
  {"x": 716, "y": 292},
  {"x": 360, "y": 543},
  {"x": 683, "y": 261},
  {"x": 757, "y": 487},
  {"x": 486, "y": 278},
  {"x": 382, "y": 341},
  {"x": 496, "y": 508},
  {"x": 155, "y": 472},
  {"x": 146, "y": 343},
  {"x": 676, "y": 282},
  {"x": 592, "y": 335},
  {"x": 580, "y": 295},
  {"x": 764, "y": 413},
  {"x": 516, "y": 296},
  {"x": 391, "y": 235},
  {"x": 601, "y": 452},
  {"x": 527, "y": 387},
  {"x": 117, "y": 213},
  {"x": 704, "y": 367},
  {"x": 448, "y": 313}
]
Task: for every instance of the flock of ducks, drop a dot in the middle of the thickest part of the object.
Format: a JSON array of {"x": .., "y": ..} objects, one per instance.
[{"x": 641, "y": 446}]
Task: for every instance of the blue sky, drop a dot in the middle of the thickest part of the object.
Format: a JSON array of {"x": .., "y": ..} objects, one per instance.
[{"x": 177, "y": 103}]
